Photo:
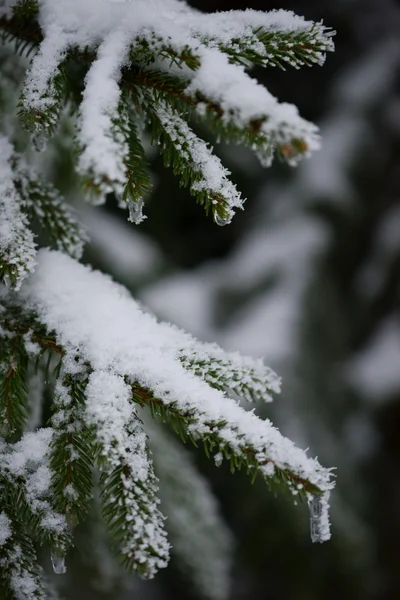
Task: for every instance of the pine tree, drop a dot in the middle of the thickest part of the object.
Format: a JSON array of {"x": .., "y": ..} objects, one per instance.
[{"x": 83, "y": 366}]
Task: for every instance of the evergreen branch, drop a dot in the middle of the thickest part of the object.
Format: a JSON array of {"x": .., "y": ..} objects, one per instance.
[
  {"x": 193, "y": 161},
  {"x": 248, "y": 378},
  {"x": 122, "y": 169},
  {"x": 25, "y": 477},
  {"x": 173, "y": 90},
  {"x": 71, "y": 458},
  {"x": 149, "y": 49},
  {"x": 263, "y": 47},
  {"x": 20, "y": 573},
  {"x": 17, "y": 248},
  {"x": 13, "y": 389},
  {"x": 43, "y": 204},
  {"x": 128, "y": 483},
  {"x": 41, "y": 120},
  {"x": 223, "y": 426},
  {"x": 239, "y": 453},
  {"x": 256, "y": 133},
  {"x": 138, "y": 183}
]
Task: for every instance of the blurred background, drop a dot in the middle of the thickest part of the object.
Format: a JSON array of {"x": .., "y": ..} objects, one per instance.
[{"x": 308, "y": 277}]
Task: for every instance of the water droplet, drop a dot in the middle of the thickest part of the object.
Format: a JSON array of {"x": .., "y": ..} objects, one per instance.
[
  {"x": 136, "y": 211},
  {"x": 221, "y": 221},
  {"x": 58, "y": 562},
  {"x": 316, "y": 513}
]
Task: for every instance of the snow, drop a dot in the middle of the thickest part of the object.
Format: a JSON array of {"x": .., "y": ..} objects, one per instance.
[
  {"x": 211, "y": 176},
  {"x": 243, "y": 101},
  {"x": 105, "y": 151},
  {"x": 126, "y": 342},
  {"x": 122, "y": 441},
  {"x": 27, "y": 460},
  {"x": 112, "y": 30},
  {"x": 17, "y": 247},
  {"x": 5, "y": 529}
]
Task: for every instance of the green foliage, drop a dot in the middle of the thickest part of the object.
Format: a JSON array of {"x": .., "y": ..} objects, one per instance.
[
  {"x": 13, "y": 389},
  {"x": 71, "y": 459},
  {"x": 43, "y": 205}
]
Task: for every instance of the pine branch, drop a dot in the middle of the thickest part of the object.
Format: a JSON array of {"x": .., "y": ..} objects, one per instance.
[
  {"x": 43, "y": 204},
  {"x": 191, "y": 159},
  {"x": 128, "y": 483},
  {"x": 154, "y": 62},
  {"x": 25, "y": 477},
  {"x": 17, "y": 248},
  {"x": 20, "y": 573},
  {"x": 71, "y": 459},
  {"x": 240, "y": 454},
  {"x": 196, "y": 411},
  {"x": 147, "y": 50},
  {"x": 248, "y": 378},
  {"x": 261, "y": 46},
  {"x": 173, "y": 90},
  {"x": 13, "y": 388}
]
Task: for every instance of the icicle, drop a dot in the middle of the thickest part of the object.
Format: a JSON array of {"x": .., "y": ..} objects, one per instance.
[
  {"x": 221, "y": 221},
  {"x": 136, "y": 211},
  {"x": 39, "y": 141},
  {"x": 58, "y": 562},
  {"x": 316, "y": 516}
]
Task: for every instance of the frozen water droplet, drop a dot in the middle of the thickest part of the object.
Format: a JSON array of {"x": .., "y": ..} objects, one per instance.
[
  {"x": 58, "y": 562},
  {"x": 316, "y": 511},
  {"x": 218, "y": 458},
  {"x": 136, "y": 211},
  {"x": 39, "y": 141},
  {"x": 221, "y": 221}
]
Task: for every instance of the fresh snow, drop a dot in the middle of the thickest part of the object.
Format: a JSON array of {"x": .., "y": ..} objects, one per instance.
[
  {"x": 98, "y": 317},
  {"x": 122, "y": 441},
  {"x": 5, "y": 528},
  {"x": 17, "y": 247},
  {"x": 111, "y": 29}
]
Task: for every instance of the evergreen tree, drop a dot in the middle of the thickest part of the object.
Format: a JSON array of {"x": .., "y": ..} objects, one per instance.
[{"x": 83, "y": 366}]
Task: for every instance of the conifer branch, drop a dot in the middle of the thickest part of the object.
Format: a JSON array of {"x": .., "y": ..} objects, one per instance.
[
  {"x": 20, "y": 573},
  {"x": 71, "y": 458},
  {"x": 191, "y": 159},
  {"x": 242, "y": 455},
  {"x": 13, "y": 389},
  {"x": 128, "y": 484},
  {"x": 43, "y": 204}
]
